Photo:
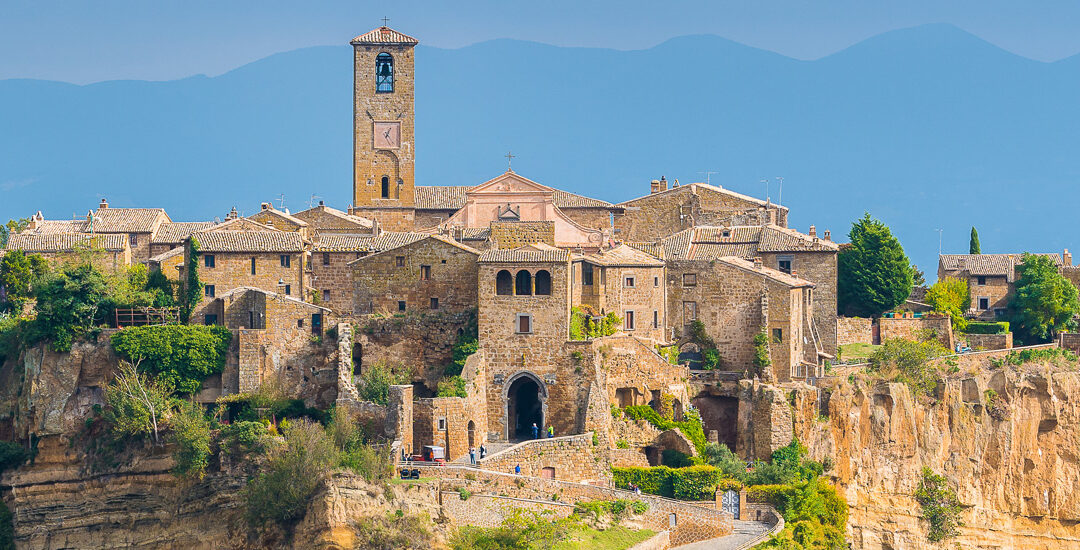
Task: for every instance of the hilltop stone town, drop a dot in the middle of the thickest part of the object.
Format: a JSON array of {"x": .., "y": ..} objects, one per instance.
[{"x": 693, "y": 300}]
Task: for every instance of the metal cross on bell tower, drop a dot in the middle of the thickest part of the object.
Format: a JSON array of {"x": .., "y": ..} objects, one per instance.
[{"x": 509, "y": 162}]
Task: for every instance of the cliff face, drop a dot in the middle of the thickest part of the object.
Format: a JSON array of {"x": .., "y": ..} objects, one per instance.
[{"x": 1016, "y": 468}]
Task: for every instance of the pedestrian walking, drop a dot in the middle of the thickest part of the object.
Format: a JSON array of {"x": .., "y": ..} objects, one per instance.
[
  {"x": 551, "y": 432},
  {"x": 535, "y": 431},
  {"x": 517, "y": 469},
  {"x": 472, "y": 455},
  {"x": 483, "y": 451}
]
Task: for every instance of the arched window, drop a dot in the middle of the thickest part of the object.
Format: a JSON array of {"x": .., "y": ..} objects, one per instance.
[
  {"x": 386, "y": 187},
  {"x": 504, "y": 283},
  {"x": 524, "y": 283},
  {"x": 384, "y": 74},
  {"x": 543, "y": 283}
]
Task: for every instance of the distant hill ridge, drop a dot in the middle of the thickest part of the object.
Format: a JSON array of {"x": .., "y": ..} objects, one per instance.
[{"x": 926, "y": 128}]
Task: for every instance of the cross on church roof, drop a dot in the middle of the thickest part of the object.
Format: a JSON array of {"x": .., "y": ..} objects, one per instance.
[
  {"x": 509, "y": 162},
  {"x": 385, "y": 20}
]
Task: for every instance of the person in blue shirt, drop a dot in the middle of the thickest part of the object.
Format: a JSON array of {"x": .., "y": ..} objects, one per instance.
[{"x": 535, "y": 431}]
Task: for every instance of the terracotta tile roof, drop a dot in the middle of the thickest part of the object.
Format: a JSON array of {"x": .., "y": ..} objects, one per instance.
[
  {"x": 525, "y": 255},
  {"x": 268, "y": 210},
  {"x": 384, "y": 35},
  {"x": 386, "y": 240},
  {"x": 178, "y": 251},
  {"x": 475, "y": 233},
  {"x": 127, "y": 220},
  {"x": 699, "y": 187},
  {"x": 707, "y": 242},
  {"x": 249, "y": 241},
  {"x": 47, "y": 227},
  {"x": 987, "y": 264},
  {"x": 178, "y": 232},
  {"x": 624, "y": 255},
  {"x": 773, "y": 274},
  {"x": 393, "y": 239},
  {"x": 439, "y": 197},
  {"x": 344, "y": 220},
  {"x": 653, "y": 249},
  {"x": 66, "y": 242}
]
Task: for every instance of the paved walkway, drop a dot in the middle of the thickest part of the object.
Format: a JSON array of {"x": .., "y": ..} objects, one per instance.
[{"x": 744, "y": 532}]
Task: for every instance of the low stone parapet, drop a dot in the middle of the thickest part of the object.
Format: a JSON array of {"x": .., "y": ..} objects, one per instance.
[
  {"x": 568, "y": 458},
  {"x": 986, "y": 342}
]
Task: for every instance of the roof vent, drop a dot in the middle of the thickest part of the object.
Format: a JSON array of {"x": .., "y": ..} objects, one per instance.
[
  {"x": 104, "y": 204},
  {"x": 813, "y": 231},
  {"x": 654, "y": 186},
  {"x": 265, "y": 206}
]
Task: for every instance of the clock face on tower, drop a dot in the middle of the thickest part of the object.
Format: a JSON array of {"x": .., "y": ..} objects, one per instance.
[{"x": 387, "y": 135}]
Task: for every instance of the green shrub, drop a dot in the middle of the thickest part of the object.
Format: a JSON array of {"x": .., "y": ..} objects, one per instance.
[
  {"x": 7, "y": 528},
  {"x": 178, "y": 356},
  {"x": 191, "y": 433},
  {"x": 622, "y": 444},
  {"x": 940, "y": 507},
  {"x": 639, "y": 507},
  {"x": 294, "y": 472},
  {"x": 467, "y": 344},
  {"x": 762, "y": 360},
  {"x": 951, "y": 297},
  {"x": 522, "y": 530},
  {"x": 654, "y": 481},
  {"x": 375, "y": 381},
  {"x": 671, "y": 353},
  {"x": 694, "y": 482},
  {"x": 243, "y": 437},
  {"x": 908, "y": 362},
  {"x": 453, "y": 386},
  {"x": 979, "y": 327},
  {"x": 690, "y": 427},
  {"x": 721, "y": 457},
  {"x": 393, "y": 531},
  {"x": 464, "y": 493},
  {"x": 582, "y": 326},
  {"x": 193, "y": 287},
  {"x": 67, "y": 305},
  {"x": 1040, "y": 355},
  {"x": 12, "y": 455}
]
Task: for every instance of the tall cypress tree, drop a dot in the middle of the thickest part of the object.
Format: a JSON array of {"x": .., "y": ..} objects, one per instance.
[
  {"x": 973, "y": 246},
  {"x": 874, "y": 275}
]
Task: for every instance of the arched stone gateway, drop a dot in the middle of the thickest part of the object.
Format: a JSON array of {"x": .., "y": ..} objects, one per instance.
[{"x": 525, "y": 399}]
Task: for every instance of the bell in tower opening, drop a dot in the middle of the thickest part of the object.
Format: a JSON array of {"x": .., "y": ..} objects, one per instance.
[{"x": 384, "y": 73}]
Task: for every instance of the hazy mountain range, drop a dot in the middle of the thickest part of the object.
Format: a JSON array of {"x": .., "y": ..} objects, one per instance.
[{"x": 925, "y": 128}]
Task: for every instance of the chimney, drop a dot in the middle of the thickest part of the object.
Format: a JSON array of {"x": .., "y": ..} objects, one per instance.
[
  {"x": 232, "y": 215},
  {"x": 321, "y": 203},
  {"x": 265, "y": 206},
  {"x": 35, "y": 220},
  {"x": 104, "y": 204},
  {"x": 794, "y": 273},
  {"x": 89, "y": 216},
  {"x": 757, "y": 263},
  {"x": 828, "y": 235},
  {"x": 663, "y": 183},
  {"x": 1067, "y": 258},
  {"x": 813, "y": 231},
  {"x": 654, "y": 186}
]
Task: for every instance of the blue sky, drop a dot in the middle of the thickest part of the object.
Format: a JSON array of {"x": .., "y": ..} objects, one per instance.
[{"x": 89, "y": 41}]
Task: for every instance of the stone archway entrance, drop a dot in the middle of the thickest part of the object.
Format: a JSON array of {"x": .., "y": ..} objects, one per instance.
[{"x": 526, "y": 404}]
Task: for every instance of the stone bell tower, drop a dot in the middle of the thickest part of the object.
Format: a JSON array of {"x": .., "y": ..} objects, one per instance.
[{"x": 383, "y": 126}]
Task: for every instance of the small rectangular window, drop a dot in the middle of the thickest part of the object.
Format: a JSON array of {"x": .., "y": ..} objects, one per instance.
[
  {"x": 326, "y": 258},
  {"x": 689, "y": 312},
  {"x": 400, "y": 261},
  {"x": 628, "y": 320},
  {"x": 442, "y": 424},
  {"x": 401, "y": 305},
  {"x": 783, "y": 263},
  {"x": 778, "y": 335},
  {"x": 524, "y": 323},
  {"x": 425, "y": 272},
  {"x": 253, "y": 266},
  {"x": 434, "y": 303},
  {"x": 326, "y": 295},
  {"x": 982, "y": 281},
  {"x": 210, "y": 319},
  {"x": 656, "y": 281},
  {"x": 299, "y": 323},
  {"x": 288, "y": 290},
  {"x": 984, "y": 303},
  {"x": 208, "y": 260},
  {"x": 586, "y": 274},
  {"x": 629, "y": 282},
  {"x": 655, "y": 319},
  {"x": 286, "y": 260},
  {"x": 209, "y": 291},
  {"x": 133, "y": 238},
  {"x": 689, "y": 279}
]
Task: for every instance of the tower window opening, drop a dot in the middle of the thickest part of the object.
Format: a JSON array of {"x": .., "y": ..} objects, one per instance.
[
  {"x": 386, "y": 187},
  {"x": 384, "y": 74}
]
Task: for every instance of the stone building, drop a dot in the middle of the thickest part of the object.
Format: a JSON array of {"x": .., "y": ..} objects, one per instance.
[
  {"x": 276, "y": 339},
  {"x": 788, "y": 251},
  {"x": 171, "y": 235},
  {"x": 282, "y": 221},
  {"x": 324, "y": 220},
  {"x": 667, "y": 211},
  {"x": 329, "y": 271},
  {"x": 138, "y": 225},
  {"x": 736, "y": 299},
  {"x": 236, "y": 255},
  {"x": 991, "y": 279},
  {"x": 628, "y": 282},
  {"x": 432, "y": 274},
  {"x": 108, "y": 252}
]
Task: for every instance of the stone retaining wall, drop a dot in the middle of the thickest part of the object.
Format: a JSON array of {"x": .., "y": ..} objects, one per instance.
[
  {"x": 483, "y": 510},
  {"x": 571, "y": 458},
  {"x": 909, "y": 328},
  {"x": 854, "y": 330},
  {"x": 692, "y": 523},
  {"x": 1070, "y": 341},
  {"x": 989, "y": 341}
]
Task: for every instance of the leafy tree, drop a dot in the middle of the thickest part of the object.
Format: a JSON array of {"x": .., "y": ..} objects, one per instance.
[
  {"x": 294, "y": 472},
  {"x": 721, "y": 457},
  {"x": 973, "y": 244},
  {"x": 918, "y": 278},
  {"x": 193, "y": 287},
  {"x": 19, "y": 273},
  {"x": 583, "y": 327},
  {"x": 67, "y": 304},
  {"x": 10, "y": 228},
  {"x": 874, "y": 275},
  {"x": 191, "y": 433},
  {"x": 160, "y": 288},
  {"x": 135, "y": 404},
  {"x": 12, "y": 455},
  {"x": 940, "y": 507},
  {"x": 950, "y": 295},
  {"x": 1044, "y": 303},
  {"x": 179, "y": 356},
  {"x": 908, "y": 362}
]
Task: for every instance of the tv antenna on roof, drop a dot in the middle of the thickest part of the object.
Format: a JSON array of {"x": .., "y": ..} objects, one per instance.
[
  {"x": 766, "y": 182},
  {"x": 939, "y": 231},
  {"x": 707, "y": 174},
  {"x": 311, "y": 202},
  {"x": 780, "y": 199},
  {"x": 281, "y": 202}
]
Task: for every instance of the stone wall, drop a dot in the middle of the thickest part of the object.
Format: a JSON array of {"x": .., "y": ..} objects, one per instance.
[
  {"x": 685, "y": 521},
  {"x": 1070, "y": 341},
  {"x": 568, "y": 458},
  {"x": 997, "y": 291},
  {"x": 233, "y": 270},
  {"x": 332, "y": 279},
  {"x": 989, "y": 341},
  {"x": 854, "y": 330},
  {"x": 430, "y": 275},
  {"x": 422, "y": 341},
  {"x": 516, "y": 234},
  {"x": 819, "y": 268},
  {"x": 657, "y": 215},
  {"x": 911, "y": 328},
  {"x": 646, "y": 298},
  {"x": 484, "y": 510}
]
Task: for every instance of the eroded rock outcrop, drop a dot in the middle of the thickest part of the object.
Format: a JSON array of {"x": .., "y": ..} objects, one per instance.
[{"x": 1015, "y": 465}]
